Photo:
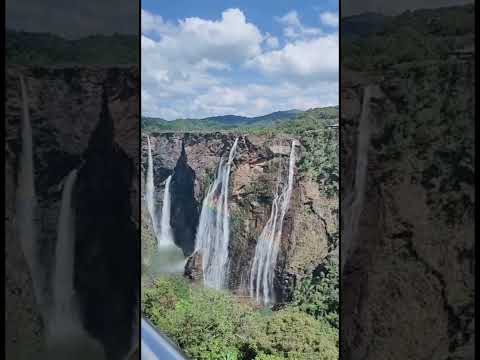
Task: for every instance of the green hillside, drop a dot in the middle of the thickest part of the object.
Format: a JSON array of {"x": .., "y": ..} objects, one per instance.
[
  {"x": 276, "y": 120},
  {"x": 44, "y": 49}
]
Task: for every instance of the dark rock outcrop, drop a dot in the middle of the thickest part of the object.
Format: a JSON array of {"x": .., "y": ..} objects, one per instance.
[
  {"x": 185, "y": 212},
  {"x": 193, "y": 267},
  {"x": 107, "y": 240}
]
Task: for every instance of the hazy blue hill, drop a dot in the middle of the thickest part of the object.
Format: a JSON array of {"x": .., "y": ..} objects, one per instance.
[
  {"x": 363, "y": 24},
  {"x": 276, "y": 116},
  {"x": 226, "y": 119},
  {"x": 219, "y": 122},
  {"x": 24, "y": 48},
  {"x": 241, "y": 120}
]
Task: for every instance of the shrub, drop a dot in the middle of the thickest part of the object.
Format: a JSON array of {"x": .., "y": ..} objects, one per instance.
[
  {"x": 280, "y": 337},
  {"x": 318, "y": 295},
  {"x": 211, "y": 325}
]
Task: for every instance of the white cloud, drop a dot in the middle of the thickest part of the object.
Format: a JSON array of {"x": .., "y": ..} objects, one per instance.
[
  {"x": 329, "y": 19},
  {"x": 231, "y": 39},
  {"x": 249, "y": 100},
  {"x": 294, "y": 28},
  {"x": 271, "y": 41},
  {"x": 308, "y": 60},
  {"x": 198, "y": 67}
]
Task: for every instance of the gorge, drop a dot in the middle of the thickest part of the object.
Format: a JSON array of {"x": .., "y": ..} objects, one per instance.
[{"x": 223, "y": 195}]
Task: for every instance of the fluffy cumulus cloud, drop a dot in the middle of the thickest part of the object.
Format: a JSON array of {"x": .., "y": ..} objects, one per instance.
[
  {"x": 306, "y": 60},
  {"x": 329, "y": 19},
  {"x": 294, "y": 27},
  {"x": 200, "y": 67}
]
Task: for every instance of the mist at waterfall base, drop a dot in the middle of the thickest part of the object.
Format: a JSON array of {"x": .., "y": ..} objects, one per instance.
[
  {"x": 168, "y": 257},
  {"x": 213, "y": 234},
  {"x": 266, "y": 251},
  {"x": 65, "y": 336}
]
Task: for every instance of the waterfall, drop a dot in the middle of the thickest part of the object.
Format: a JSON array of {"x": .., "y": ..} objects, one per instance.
[
  {"x": 150, "y": 190},
  {"x": 66, "y": 335},
  {"x": 26, "y": 201},
  {"x": 83, "y": 347},
  {"x": 169, "y": 259},
  {"x": 63, "y": 290},
  {"x": 166, "y": 237},
  {"x": 214, "y": 227},
  {"x": 268, "y": 244},
  {"x": 352, "y": 205}
]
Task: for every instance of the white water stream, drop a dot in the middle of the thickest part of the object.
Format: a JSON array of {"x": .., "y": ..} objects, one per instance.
[
  {"x": 166, "y": 236},
  {"x": 150, "y": 190},
  {"x": 352, "y": 205},
  {"x": 266, "y": 252},
  {"x": 213, "y": 233}
]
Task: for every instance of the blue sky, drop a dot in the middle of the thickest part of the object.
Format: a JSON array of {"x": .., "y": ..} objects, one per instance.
[{"x": 205, "y": 58}]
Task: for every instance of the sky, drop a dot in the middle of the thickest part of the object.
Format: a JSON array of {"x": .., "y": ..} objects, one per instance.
[
  {"x": 250, "y": 58},
  {"x": 73, "y": 19}
]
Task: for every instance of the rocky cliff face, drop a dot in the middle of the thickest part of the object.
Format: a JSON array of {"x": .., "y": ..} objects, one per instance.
[
  {"x": 416, "y": 235},
  {"x": 193, "y": 158},
  {"x": 84, "y": 118}
]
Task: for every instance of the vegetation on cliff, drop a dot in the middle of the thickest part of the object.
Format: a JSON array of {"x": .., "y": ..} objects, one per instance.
[
  {"x": 318, "y": 134},
  {"x": 213, "y": 325},
  {"x": 318, "y": 295}
]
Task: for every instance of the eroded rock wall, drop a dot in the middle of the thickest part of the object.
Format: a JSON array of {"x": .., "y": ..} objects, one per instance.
[
  {"x": 310, "y": 220},
  {"x": 416, "y": 236}
]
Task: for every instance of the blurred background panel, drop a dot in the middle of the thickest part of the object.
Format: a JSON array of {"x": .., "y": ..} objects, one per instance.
[
  {"x": 407, "y": 110},
  {"x": 72, "y": 195}
]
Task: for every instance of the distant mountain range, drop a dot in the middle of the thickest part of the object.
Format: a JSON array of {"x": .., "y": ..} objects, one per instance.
[
  {"x": 237, "y": 121},
  {"x": 453, "y": 20},
  {"x": 363, "y": 24},
  {"x": 44, "y": 49}
]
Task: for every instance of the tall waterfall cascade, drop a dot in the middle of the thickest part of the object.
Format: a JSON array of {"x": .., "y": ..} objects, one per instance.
[
  {"x": 169, "y": 259},
  {"x": 64, "y": 312},
  {"x": 166, "y": 236},
  {"x": 352, "y": 205},
  {"x": 150, "y": 190},
  {"x": 26, "y": 201},
  {"x": 266, "y": 252},
  {"x": 66, "y": 335},
  {"x": 213, "y": 233}
]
